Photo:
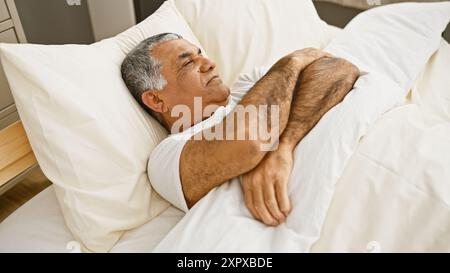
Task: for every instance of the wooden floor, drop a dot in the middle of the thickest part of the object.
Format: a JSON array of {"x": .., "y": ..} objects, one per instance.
[{"x": 11, "y": 200}]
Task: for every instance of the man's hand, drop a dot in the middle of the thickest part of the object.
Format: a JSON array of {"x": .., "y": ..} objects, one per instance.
[
  {"x": 265, "y": 187},
  {"x": 307, "y": 56}
]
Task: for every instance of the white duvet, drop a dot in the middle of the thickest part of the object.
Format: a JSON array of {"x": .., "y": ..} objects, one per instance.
[
  {"x": 392, "y": 44},
  {"x": 394, "y": 194},
  {"x": 221, "y": 222}
]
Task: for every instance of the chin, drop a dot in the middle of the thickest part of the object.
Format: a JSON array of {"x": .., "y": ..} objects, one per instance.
[
  {"x": 223, "y": 95},
  {"x": 227, "y": 92},
  {"x": 224, "y": 102},
  {"x": 226, "y": 99}
]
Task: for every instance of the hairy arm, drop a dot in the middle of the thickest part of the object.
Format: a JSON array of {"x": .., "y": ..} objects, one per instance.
[
  {"x": 205, "y": 164},
  {"x": 322, "y": 85}
]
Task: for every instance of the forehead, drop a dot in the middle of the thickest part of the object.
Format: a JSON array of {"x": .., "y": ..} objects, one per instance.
[{"x": 170, "y": 50}]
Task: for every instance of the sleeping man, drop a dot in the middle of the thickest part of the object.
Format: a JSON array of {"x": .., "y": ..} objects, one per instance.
[{"x": 180, "y": 88}]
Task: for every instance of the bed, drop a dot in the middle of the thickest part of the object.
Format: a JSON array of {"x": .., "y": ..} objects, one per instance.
[
  {"x": 393, "y": 195},
  {"x": 38, "y": 226},
  {"x": 358, "y": 225}
]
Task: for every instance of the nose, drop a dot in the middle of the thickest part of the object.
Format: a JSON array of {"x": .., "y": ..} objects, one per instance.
[{"x": 206, "y": 65}]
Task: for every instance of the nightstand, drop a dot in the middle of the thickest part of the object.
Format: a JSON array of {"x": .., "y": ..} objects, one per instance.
[
  {"x": 11, "y": 31},
  {"x": 16, "y": 157}
]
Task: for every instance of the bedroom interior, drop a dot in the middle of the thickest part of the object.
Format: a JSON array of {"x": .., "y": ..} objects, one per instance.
[
  {"x": 42, "y": 29},
  {"x": 26, "y": 21}
]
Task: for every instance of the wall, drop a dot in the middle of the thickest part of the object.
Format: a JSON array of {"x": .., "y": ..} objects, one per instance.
[
  {"x": 110, "y": 17},
  {"x": 55, "y": 22},
  {"x": 144, "y": 8}
]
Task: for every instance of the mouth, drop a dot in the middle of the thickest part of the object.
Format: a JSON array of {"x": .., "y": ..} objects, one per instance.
[{"x": 212, "y": 78}]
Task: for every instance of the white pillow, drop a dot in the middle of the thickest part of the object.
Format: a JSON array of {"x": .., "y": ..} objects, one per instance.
[
  {"x": 91, "y": 138},
  {"x": 239, "y": 35},
  {"x": 396, "y": 40},
  {"x": 221, "y": 223}
]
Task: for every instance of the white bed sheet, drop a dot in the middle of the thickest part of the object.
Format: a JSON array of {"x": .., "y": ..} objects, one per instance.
[
  {"x": 381, "y": 208},
  {"x": 38, "y": 226}
]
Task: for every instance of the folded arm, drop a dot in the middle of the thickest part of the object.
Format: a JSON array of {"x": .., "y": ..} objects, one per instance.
[
  {"x": 205, "y": 164},
  {"x": 321, "y": 86}
]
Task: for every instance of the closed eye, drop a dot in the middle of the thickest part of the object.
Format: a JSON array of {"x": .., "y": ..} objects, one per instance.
[{"x": 188, "y": 63}]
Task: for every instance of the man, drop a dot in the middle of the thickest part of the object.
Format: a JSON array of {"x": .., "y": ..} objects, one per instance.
[{"x": 166, "y": 71}]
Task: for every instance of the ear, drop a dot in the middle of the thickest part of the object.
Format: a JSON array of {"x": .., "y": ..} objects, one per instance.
[{"x": 152, "y": 100}]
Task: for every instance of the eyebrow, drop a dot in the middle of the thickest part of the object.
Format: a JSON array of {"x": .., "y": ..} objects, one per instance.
[{"x": 188, "y": 54}]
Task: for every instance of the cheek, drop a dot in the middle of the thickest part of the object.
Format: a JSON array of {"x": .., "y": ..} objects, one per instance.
[{"x": 190, "y": 83}]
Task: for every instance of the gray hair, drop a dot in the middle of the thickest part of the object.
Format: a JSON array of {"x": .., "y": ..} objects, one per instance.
[{"x": 142, "y": 72}]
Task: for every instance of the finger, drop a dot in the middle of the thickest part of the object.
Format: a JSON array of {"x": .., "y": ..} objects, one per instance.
[
  {"x": 247, "y": 180},
  {"x": 272, "y": 204},
  {"x": 261, "y": 208},
  {"x": 250, "y": 205},
  {"x": 283, "y": 198}
]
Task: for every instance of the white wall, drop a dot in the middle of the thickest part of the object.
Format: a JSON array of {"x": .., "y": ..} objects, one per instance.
[{"x": 110, "y": 17}]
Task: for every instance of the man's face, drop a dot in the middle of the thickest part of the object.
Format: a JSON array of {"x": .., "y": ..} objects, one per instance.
[{"x": 188, "y": 74}]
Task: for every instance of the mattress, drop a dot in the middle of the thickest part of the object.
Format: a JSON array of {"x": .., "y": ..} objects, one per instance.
[
  {"x": 393, "y": 196},
  {"x": 38, "y": 226}
]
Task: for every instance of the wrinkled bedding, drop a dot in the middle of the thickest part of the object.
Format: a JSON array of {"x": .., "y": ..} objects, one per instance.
[{"x": 394, "y": 194}]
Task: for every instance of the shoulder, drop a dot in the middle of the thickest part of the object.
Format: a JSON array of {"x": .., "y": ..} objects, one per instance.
[
  {"x": 252, "y": 76},
  {"x": 162, "y": 170},
  {"x": 168, "y": 150},
  {"x": 246, "y": 81}
]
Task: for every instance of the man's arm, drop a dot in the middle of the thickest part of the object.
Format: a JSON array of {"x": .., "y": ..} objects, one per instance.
[
  {"x": 321, "y": 86},
  {"x": 205, "y": 164}
]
